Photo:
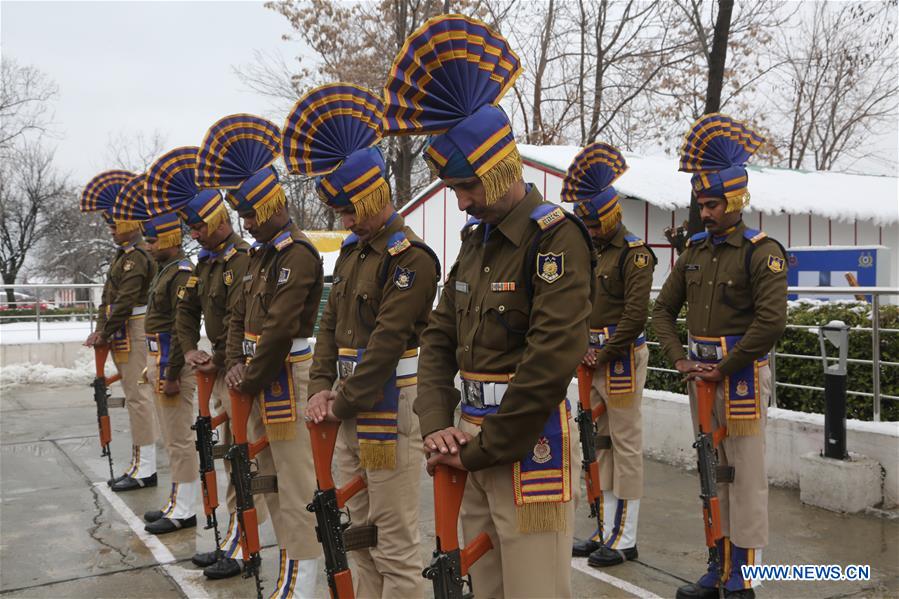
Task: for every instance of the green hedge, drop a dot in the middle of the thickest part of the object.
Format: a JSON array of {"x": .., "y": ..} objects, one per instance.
[
  {"x": 24, "y": 315},
  {"x": 810, "y": 372}
]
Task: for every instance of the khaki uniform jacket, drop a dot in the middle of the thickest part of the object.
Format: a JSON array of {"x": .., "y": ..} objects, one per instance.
[
  {"x": 211, "y": 294},
  {"x": 723, "y": 298},
  {"x": 623, "y": 302},
  {"x": 167, "y": 287},
  {"x": 126, "y": 286},
  {"x": 485, "y": 322},
  {"x": 384, "y": 316},
  {"x": 281, "y": 294}
]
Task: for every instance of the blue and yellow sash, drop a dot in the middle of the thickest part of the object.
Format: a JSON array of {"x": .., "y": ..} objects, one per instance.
[
  {"x": 742, "y": 393},
  {"x": 278, "y": 398},
  {"x": 121, "y": 340},
  {"x": 621, "y": 372},
  {"x": 376, "y": 429}
]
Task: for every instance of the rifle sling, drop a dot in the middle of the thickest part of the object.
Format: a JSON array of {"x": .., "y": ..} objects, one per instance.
[
  {"x": 264, "y": 484},
  {"x": 219, "y": 450},
  {"x": 724, "y": 474},
  {"x": 602, "y": 441},
  {"x": 360, "y": 537},
  {"x": 115, "y": 402}
]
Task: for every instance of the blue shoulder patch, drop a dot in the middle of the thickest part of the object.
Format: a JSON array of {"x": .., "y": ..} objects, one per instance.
[
  {"x": 698, "y": 237},
  {"x": 351, "y": 239},
  {"x": 282, "y": 241},
  {"x": 398, "y": 243},
  {"x": 204, "y": 254},
  {"x": 633, "y": 241},
  {"x": 547, "y": 216},
  {"x": 754, "y": 235},
  {"x": 186, "y": 265}
]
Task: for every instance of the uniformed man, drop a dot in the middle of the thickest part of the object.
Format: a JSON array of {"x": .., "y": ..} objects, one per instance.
[
  {"x": 209, "y": 294},
  {"x": 512, "y": 318},
  {"x": 269, "y": 328},
  {"x": 120, "y": 322},
  {"x": 733, "y": 280},
  {"x": 384, "y": 285},
  {"x": 171, "y": 383},
  {"x": 617, "y": 352}
]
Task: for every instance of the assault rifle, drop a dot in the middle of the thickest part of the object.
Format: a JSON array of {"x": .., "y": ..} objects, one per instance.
[
  {"x": 331, "y": 522},
  {"x": 205, "y": 427},
  {"x": 590, "y": 441},
  {"x": 449, "y": 566},
  {"x": 104, "y": 402}
]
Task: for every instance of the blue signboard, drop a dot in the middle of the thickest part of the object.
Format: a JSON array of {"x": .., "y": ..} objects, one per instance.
[{"x": 827, "y": 266}]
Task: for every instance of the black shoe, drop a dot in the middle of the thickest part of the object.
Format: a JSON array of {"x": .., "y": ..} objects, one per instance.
[
  {"x": 167, "y": 525},
  {"x": 741, "y": 594},
  {"x": 606, "y": 556},
  {"x": 696, "y": 591},
  {"x": 129, "y": 483},
  {"x": 206, "y": 558},
  {"x": 112, "y": 481},
  {"x": 224, "y": 568},
  {"x": 584, "y": 547},
  {"x": 152, "y": 516}
]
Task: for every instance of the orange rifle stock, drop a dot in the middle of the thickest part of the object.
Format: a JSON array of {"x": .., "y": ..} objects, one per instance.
[
  {"x": 706, "y": 445},
  {"x": 101, "y": 398},
  {"x": 450, "y": 564},
  {"x": 205, "y": 426},
  {"x": 327, "y": 503},
  {"x": 586, "y": 420}
]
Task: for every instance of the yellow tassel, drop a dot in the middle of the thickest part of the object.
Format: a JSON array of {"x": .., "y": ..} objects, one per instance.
[
  {"x": 126, "y": 226},
  {"x": 609, "y": 221},
  {"x": 500, "y": 177},
  {"x": 372, "y": 202},
  {"x": 541, "y": 517},
  {"x": 738, "y": 201},
  {"x": 169, "y": 239},
  {"x": 267, "y": 207},
  {"x": 622, "y": 401},
  {"x": 216, "y": 218},
  {"x": 281, "y": 431},
  {"x": 744, "y": 428},
  {"x": 377, "y": 456}
]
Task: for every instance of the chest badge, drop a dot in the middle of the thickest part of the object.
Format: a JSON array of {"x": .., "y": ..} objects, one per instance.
[
  {"x": 550, "y": 267},
  {"x": 542, "y": 451},
  {"x": 502, "y": 286},
  {"x": 775, "y": 264},
  {"x": 283, "y": 275},
  {"x": 228, "y": 277},
  {"x": 128, "y": 265},
  {"x": 403, "y": 278},
  {"x": 641, "y": 260}
]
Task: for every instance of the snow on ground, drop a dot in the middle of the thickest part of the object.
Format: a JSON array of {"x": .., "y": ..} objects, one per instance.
[
  {"x": 55, "y": 331},
  {"x": 42, "y": 374}
]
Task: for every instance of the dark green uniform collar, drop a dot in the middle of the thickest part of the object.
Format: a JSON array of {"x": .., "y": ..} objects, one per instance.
[{"x": 517, "y": 222}]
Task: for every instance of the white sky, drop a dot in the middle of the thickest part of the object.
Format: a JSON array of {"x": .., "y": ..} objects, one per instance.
[{"x": 125, "y": 67}]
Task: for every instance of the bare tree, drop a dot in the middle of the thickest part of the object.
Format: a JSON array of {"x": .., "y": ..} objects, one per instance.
[
  {"x": 134, "y": 151},
  {"x": 25, "y": 95},
  {"x": 31, "y": 192},
  {"x": 839, "y": 82}
]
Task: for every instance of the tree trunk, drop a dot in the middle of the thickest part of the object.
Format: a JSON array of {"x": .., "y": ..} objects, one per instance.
[{"x": 9, "y": 278}]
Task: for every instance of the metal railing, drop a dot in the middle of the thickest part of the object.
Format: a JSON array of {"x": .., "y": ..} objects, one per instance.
[
  {"x": 875, "y": 294},
  {"x": 35, "y": 305}
]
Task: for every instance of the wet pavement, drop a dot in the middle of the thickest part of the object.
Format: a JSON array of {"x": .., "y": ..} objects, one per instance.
[{"x": 63, "y": 535}]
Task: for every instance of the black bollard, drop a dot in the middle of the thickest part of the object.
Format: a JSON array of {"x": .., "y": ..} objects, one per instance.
[{"x": 835, "y": 416}]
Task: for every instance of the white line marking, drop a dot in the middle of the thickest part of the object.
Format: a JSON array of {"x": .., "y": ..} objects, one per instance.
[
  {"x": 580, "y": 564},
  {"x": 188, "y": 580}
]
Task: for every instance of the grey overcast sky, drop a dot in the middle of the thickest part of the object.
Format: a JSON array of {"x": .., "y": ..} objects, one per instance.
[{"x": 125, "y": 67}]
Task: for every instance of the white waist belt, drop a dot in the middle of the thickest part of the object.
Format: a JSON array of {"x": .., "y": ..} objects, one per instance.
[
  {"x": 406, "y": 368},
  {"x": 482, "y": 394},
  {"x": 299, "y": 344},
  {"x": 138, "y": 310}
]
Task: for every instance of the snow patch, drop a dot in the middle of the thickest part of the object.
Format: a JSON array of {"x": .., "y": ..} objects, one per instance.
[{"x": 42, "y": 374}]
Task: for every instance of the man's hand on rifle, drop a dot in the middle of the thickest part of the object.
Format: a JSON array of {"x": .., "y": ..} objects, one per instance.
[
  {"x": 95, "y": 338},
  {"x": 697, "y": 370},
  {"x": 450, "y": 459},
  {"x": 234, "y": 377},
  {"x": 589, "y": 358},
  {"x": 171, "y": 388},
  {"x": 200, "y": 360},
  {"x": 446, "y": 441},
  {"x": 709, "y": 372},
  {"x": 321, "y": 407}
]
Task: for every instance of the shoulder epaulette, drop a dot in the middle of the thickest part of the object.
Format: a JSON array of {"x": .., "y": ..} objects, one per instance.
[
  {"x": 351, "y": 239},
  {"x": 468, "y": 227},
  {"x": 547, "y": 216},
  {"x": 697, "y": 238},
  {"x": 398, "y": 243},
  {"x": 754, "y": 235},
  {"x": 203, "y": 256},
  {"x": 129, "y": 249},
  {"x": 633, "y": 241},
  {"x": 229, "y": 252},
  {"x": 186, "y": 265},
  {"x": 282, "y": 241}
]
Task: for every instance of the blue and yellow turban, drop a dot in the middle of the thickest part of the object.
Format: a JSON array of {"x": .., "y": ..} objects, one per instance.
[
  {"x": 716, "y": 150},
  {"x": 333, "y": 132},
  {"x": 588, "y": 183},
  {"x": 237, "y": 154},
  {"x": 100, "y": 194},
  {"x": 130, "y": 208},
  {"x": 172, "y": 187},
  {"x": 447, "y": 81}
]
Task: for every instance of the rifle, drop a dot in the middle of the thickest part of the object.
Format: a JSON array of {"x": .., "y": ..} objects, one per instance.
[
  {"x": 590, "y": 441},
  {"x": 247, "y": 483},
  {"x": 205, "y": 427},
  {"x": 450, "y": 564},
  {"x": 104, "y": 402},
  {"x": 710, "y": 473},
  {"x": 330, "y": 522}
]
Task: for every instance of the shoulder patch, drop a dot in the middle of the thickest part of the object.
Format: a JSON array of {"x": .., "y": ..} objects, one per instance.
[
  {"x": 228, "y": 277},
  {"x": 633, "y": 241},
  {"x": 351, "y": 239},
  {"x": 550, "y": 267},
  {"x": 282, "y": 241},
  {"x": 641, "y": 260},
  {"x": 229, "y": 252},
  {"x": 403, "y": 278},
  {"x": 186, "y": 266},
  {"x": 547, "y": 216},
  {"x": 128, "y": 265},
  {"x": 697, "y": 238},
  {"x": 775, "y": 263},
  {"x": 283, "y": 276},
  {"x": 754, "y": 235},
  {"x": 398, "y": 243}
]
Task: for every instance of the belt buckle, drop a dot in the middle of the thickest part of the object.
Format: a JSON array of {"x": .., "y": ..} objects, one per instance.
[
  {"x": 154, "y": 347},
  {"x": 249, "y": 348},
  {"x": 345, "y": 368},
  {"x": 707, "y": 352},
  {"x": 596, "y": 338},
  {"x": 473, "y": 394}
]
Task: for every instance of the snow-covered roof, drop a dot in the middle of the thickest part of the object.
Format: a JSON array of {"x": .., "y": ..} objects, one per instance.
[{"x": 840, "y": 196}]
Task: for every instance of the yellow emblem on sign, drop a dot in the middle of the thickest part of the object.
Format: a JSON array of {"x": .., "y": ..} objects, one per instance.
[
  {"x": 742, "y": 388},
  {"x": 128, "y": 265},
  {"x": 228, "y": 276},
  {"x": 641, "y": 260},
  {"x": 775, "y": 264}
]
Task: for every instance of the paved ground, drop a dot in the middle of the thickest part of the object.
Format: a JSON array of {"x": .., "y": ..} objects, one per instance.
[{"x": 62, "y": 535}]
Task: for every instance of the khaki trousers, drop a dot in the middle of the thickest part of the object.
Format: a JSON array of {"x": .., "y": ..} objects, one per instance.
[
  {"x": 744, "y": 503},
  {"x": 391, "y": 502},
  {"x": 292, "y": 461},
  {"x": 138, "y": 398},
  {"x": 520, "y": 564},
  {"x": 621, "y": 468},
  {"x": 175, "y": 417}
]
